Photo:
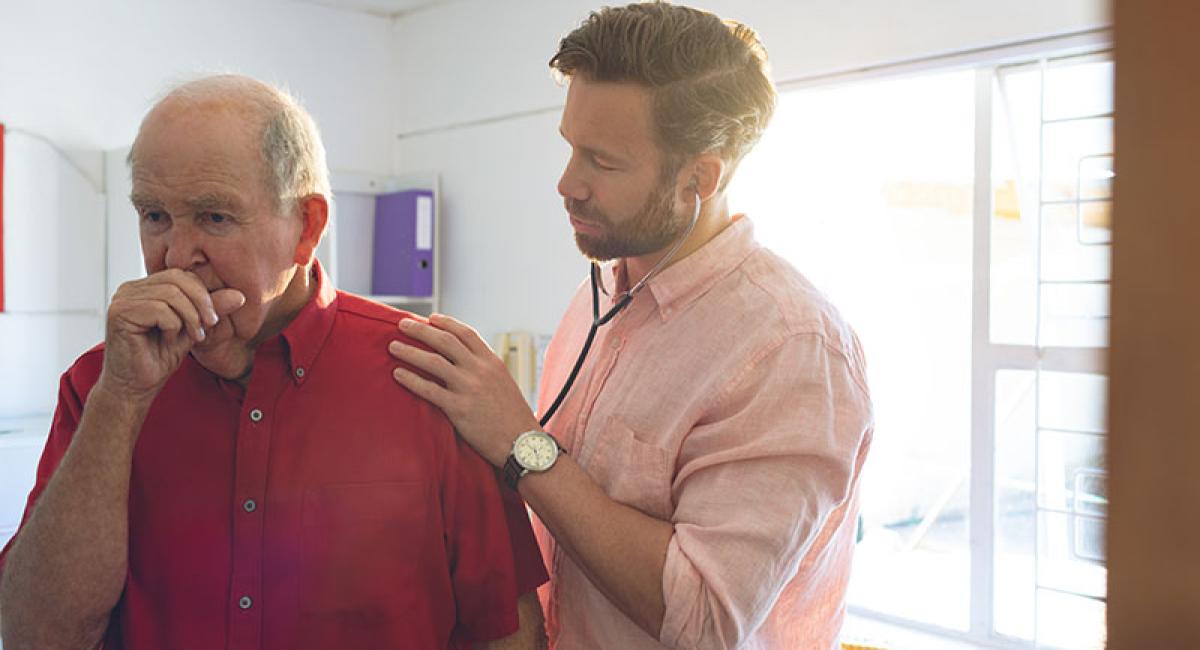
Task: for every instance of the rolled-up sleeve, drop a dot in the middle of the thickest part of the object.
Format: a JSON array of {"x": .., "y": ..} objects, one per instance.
[{"x": 756, "y": 481}]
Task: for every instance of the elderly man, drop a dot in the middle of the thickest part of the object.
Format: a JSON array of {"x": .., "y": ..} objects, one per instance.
[
  {"x": 232, "y": 468},
  {"x": 703, "y": 495}
]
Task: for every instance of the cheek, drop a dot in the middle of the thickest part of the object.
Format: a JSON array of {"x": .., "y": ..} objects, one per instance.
[{"x": 153, "y": 255}]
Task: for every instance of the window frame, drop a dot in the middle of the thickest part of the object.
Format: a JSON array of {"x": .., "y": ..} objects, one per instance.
[{"x": 987, "y": 358}]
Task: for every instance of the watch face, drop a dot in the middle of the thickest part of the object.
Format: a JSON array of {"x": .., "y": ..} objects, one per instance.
[{"x": 535, "y": 452}]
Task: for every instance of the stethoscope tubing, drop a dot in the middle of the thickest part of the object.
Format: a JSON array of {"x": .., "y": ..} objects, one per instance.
[{"x": 619, "y": 305}]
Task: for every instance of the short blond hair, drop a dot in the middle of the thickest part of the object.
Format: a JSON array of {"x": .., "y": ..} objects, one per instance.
[{"x": 708, "y": 77}]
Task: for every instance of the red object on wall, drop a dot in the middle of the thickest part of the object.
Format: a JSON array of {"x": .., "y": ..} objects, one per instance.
[{"x": 1, "y": 216}]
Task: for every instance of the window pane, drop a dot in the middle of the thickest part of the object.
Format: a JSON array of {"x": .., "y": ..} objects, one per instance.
[
  {"x": 1072, "y": 401},
  {"x": 1015, "y": 172},
  {"x": 1068, "y": 149},
  {"x": 867, "y": 190},
  {"x": 1052, "y": 183},
  {"x": 1069, "y": 233},
  {"x": 1016, "y": 503},
  {"x": 1074, "y": 314},
  {"x": 1067, "y": 621},
  {"x": 1077, "y": 87},
  {"x": 1051, "y": 504}
]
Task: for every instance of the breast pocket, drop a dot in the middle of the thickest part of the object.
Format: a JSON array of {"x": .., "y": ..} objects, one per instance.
[
  {"x": 633, "y": 471},
  {"x": 362, "y": 545}
]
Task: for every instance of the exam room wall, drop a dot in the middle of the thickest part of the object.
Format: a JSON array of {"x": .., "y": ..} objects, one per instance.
[
  {"x": 479, "y": 68},
  {"x": 81, "y": 74}
]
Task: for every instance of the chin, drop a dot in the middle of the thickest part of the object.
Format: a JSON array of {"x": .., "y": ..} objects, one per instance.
[
  {"x": 226, "y": 359},
  {"x": 593, "y": 249}
]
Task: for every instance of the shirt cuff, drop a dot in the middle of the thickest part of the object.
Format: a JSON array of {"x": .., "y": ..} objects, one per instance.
[{"x": 682, "y": 600}]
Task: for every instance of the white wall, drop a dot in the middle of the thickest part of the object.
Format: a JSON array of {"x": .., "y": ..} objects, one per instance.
[
  {"x": 81, "y": 74},
  {"x": 508, "y": 261}
]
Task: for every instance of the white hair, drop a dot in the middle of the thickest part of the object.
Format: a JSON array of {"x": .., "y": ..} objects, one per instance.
[{"x": 290, "y": 143}]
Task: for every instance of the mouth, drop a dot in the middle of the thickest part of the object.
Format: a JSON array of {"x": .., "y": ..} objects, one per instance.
[{"x": 584, "y": 227}]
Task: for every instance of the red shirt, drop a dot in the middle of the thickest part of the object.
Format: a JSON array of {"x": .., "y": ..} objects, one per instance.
[{"x": 321, "y": 506}]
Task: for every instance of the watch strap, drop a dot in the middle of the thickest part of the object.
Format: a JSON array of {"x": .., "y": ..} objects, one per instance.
[{"x": 513, "y": 472}]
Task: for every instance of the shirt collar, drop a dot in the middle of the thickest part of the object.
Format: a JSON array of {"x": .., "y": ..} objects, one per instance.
[
  {"x": 307, "y": 332},
  {"x": 682, "y": 282}
]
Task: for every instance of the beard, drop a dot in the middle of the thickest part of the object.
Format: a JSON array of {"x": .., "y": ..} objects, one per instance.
[{"x": 655, "y": 226}]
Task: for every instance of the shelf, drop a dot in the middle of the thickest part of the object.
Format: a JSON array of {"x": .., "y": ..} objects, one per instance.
[
  {"x": 402, "y": 300},
  {"x": 347, "y": 250}
]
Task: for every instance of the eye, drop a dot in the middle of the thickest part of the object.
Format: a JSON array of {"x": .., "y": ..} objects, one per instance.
[
  {"x": 216, "y": 217},
  {"x": 602, "y": 166},
  {"x": 155, "y": 220}
]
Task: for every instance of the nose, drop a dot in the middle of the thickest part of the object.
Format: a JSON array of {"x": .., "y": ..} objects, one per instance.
[
  {"x": 185, "y": 248},
  {"x": 572, "y": 185}
]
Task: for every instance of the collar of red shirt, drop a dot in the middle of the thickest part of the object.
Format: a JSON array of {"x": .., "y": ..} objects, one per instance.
[
  {"x": 307, "y": 332},
  {"x": 682, "y": 282}
]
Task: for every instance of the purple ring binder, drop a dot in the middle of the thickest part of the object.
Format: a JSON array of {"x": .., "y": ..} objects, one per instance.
[{"x": 403, "y": 256}]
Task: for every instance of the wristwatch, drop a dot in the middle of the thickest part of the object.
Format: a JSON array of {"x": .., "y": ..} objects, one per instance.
[{"x": 533, "y": 451}]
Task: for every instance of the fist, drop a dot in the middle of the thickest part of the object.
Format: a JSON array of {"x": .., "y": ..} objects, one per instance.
[{"x": 153, "y": 324}]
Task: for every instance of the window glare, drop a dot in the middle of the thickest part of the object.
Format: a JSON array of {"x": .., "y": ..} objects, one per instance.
[{"x": 867, "y": 190}]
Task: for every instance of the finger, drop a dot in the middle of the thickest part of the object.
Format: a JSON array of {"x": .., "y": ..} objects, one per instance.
[
  {"x": 461, "y": 331},
  {"x": 191, "y": 286},
  {"x": 181, "y": 303},
  {"x": 431, "y": 362},
  {"x": 445, "y": 343},
  {"x": 149, "y": 315},
  {"x": 227, "y": 301},
  {"x": 424, "y": 388}
]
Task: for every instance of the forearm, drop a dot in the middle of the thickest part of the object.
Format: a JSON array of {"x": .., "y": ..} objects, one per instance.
[
  {"x": 620, "y": 549},
  {"x": 67, "y": 568}
]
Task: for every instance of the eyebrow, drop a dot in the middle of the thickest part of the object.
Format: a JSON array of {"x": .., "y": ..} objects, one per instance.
[
  {"x": 204, "y": 202},
  {"x": 214, "y": 202},
  {"x": 608, "y": 155},
  {"x": 144, "y": 201}
]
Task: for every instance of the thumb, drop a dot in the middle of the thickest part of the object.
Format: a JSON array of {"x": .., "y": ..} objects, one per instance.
[{"x": 227, "y": 301}]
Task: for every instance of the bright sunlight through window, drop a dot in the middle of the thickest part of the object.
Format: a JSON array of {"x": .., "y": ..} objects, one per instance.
[{"x": 984, "y": 329}]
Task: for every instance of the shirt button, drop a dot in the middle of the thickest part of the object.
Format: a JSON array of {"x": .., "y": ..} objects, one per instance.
[
  {"x": 300, "y": 372},
  {"x": 255, "y": 415},
  {"x": 245, "y": 602},
  {"x": 249, "y": 505}
]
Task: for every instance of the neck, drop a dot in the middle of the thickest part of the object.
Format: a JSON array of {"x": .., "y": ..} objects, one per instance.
[
  {"x": 237, "y": 363},
  {"x": 714, "y": 218},
  {"x": 293, "y": 299}
]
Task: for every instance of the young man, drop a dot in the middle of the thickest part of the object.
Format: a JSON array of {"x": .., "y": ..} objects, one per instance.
[
  {"x": 704, "y": 492},
  {"x": 226, "y": 471}
]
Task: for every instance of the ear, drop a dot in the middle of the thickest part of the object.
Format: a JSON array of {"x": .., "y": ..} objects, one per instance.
[
  {"x": 702, "y": 175},
  {"x": 314, "y": 214}
]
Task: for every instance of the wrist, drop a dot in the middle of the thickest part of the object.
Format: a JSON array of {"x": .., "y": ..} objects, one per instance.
[
  {"x": 114, "y": 415},
  {"x": 119, "y": 400},
  {"x": 502, "y": 443},
  {"x": 534, "y": 451}
]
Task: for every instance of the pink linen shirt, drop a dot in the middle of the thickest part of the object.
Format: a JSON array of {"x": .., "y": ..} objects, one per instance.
[{"x": 729, "y": 399}]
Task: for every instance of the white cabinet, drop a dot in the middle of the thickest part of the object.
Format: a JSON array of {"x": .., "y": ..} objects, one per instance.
[
  {"x": 54, "y": 232},
  {"x": 21, "y": 443}
]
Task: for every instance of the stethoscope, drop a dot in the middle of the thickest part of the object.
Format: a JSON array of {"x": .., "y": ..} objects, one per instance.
[{"x": 621, "y": 303}]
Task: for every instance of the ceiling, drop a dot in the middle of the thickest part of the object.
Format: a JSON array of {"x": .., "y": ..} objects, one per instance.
[{"x": 389, "y": 8}]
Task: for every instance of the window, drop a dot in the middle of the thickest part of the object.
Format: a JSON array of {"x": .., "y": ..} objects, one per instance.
[{"x": 960, "y": 222}]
